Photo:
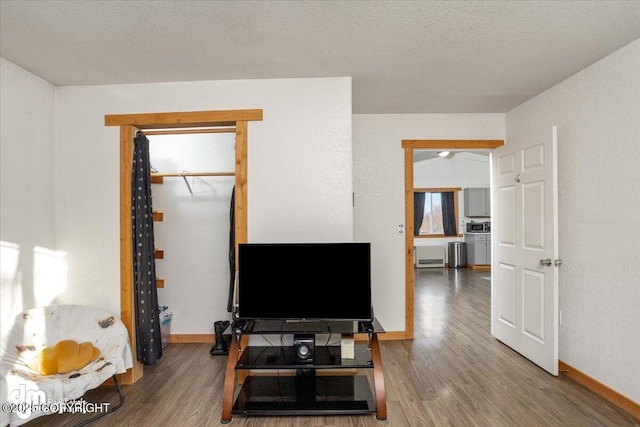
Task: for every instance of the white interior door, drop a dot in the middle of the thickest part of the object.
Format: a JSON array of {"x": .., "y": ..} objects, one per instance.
[{"x": 524, "y": 266}]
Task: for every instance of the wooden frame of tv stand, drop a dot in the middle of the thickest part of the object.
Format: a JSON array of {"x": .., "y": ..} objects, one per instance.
[{"x": 231, "y": 372}]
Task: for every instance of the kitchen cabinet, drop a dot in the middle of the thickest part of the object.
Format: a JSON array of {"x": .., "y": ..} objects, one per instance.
[
  {"x": 478, "y": 248},
  {"x": 477, "y": 202}
]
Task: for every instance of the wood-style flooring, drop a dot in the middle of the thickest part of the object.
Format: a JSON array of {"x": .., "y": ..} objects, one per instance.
[{"x": 454, "y": 373}]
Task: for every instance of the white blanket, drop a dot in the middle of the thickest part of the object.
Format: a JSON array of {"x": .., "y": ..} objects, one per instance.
[{"x": 35, "y": 329}]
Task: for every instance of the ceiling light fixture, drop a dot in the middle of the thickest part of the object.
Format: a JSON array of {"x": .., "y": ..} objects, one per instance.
[{"x": 443, "y": 153}]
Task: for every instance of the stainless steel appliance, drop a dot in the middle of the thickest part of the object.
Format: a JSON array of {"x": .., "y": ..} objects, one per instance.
[{"x": 479, "y": 227}]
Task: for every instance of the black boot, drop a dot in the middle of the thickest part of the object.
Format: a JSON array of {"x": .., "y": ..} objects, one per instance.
[{"x": 222, "y": 341}]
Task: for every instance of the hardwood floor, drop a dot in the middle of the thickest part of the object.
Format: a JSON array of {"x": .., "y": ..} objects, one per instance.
[{"x": 452, "y": 374}]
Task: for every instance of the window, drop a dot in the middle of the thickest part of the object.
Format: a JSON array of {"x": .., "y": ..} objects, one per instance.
[
  {"x": 436, "y": 212},
  {"x": 432, "y": 217}
]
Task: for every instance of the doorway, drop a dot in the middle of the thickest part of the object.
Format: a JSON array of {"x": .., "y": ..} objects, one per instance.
[
  {"x": 129, "y": 124},
  {"x": 409, "y": 146}
]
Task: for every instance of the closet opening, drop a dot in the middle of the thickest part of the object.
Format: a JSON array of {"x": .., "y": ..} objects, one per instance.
[{"x": 232, "y": 121}]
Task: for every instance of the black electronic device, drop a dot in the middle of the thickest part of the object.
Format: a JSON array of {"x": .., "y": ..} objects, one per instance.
[
  {"x": 303, "y": 346},
  {"x": 238, "y": 327},
  {"x": 365, "y": 326},
  {"x": 304, "y": 281}
]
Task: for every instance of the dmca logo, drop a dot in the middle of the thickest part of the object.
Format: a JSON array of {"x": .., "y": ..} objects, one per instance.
[{"x": 25, "y": 402}]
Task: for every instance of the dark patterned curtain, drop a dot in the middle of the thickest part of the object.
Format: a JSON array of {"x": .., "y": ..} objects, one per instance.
[
  {"x": 148, "y": 342},
  {"x": 448, "y": 214},
  {"x": 232, "y": 249},
  {"x": 418, "y": 212}
]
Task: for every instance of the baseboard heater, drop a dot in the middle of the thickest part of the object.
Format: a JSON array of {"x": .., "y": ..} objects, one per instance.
[{"x": 429, "y": 256}]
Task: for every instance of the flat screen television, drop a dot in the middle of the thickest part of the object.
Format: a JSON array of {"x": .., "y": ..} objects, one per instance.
[{"x": 304, "y": 281}]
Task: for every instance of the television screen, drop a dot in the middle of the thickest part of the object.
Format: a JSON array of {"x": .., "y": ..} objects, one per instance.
[{"x": 304, "y": 281}]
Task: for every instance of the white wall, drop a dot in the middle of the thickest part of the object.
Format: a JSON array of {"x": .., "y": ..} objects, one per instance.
[
  {"x": 27, "y": 229},
  {"x": 464, "y": 169},
  {"x": 597, "y": 112},
  {"x": 299, "y": 177},
  {"x": 195, "y": 230},
  {"x": 378, "y": 170}
]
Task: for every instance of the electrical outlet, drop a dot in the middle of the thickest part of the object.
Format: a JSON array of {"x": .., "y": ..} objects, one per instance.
[{"x": 400, "y": 228}]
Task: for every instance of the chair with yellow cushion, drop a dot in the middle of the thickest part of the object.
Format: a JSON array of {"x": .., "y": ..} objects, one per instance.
[{"x": 58, "y": 353}]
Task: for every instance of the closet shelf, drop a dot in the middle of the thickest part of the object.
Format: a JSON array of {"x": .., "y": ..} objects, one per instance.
[
  {"x": 159, "y": 283},
  {"x": 158, "y": 178},
  {"x": 158, "y": 216},
  {"x": 158, "y": 254}
]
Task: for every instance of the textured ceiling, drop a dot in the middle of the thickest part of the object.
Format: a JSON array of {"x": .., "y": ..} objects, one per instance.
[{"x": 403, "y": 57}]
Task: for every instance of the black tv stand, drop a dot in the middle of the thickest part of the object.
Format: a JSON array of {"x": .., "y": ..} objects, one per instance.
[
  {"x": 304, "y": 326},
  {"x": 327, "y": 384}
]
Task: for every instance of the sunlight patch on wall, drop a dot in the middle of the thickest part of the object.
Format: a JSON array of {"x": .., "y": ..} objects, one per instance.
[
  {"x": 10, "y": 281},
  {"x": 50, "y": 274}
]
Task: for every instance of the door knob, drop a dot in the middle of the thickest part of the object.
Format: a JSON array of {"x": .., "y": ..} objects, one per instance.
[{"x": 546, "y": 262}]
